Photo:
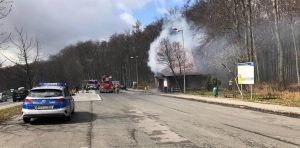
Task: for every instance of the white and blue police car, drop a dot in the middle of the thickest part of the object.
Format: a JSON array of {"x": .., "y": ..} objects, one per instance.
[{"x": 48, "y": 100}]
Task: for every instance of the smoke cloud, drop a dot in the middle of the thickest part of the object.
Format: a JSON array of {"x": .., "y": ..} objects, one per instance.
[{"x": 192, "y": 40}]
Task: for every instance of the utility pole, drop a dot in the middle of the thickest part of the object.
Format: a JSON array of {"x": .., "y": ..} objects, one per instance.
[
  {"x": 136, "y": 69},
  {"x": 180, "y": 30},
  {"x": 124, "y": 75}
]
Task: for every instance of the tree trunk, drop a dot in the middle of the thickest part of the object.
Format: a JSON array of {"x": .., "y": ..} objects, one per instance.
[
  {"x": 281, "y": 78},
  {"x": 28, "y": 74},
  {"x": 256, "y": 61},
  {"x": 249, "y": 31},
  {"x": 176, "y": 81},
  {"x": 296, "y": 53},
  {"x": 236, "y": 21},
  {"x": 246, "y": 25}
]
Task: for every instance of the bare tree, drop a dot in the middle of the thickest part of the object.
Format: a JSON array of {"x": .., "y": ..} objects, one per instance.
[
  {"x": 179, "y": 57},
  {"x": 171, "y": 55},
  {"x": 25, "y": 53},
  {"x": 227, "y": 57}
]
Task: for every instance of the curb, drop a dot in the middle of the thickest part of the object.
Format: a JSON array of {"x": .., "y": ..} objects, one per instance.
[{"x": 282, "y": 113}]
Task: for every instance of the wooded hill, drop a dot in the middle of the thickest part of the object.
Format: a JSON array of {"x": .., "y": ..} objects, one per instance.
[{"x": 263, "y": 31}]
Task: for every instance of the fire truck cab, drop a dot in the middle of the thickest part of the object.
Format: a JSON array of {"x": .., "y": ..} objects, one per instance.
[{"x": 106, "y": 85}]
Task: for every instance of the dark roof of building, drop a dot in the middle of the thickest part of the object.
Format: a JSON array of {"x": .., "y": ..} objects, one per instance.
[{"x": 167, "y": 72}]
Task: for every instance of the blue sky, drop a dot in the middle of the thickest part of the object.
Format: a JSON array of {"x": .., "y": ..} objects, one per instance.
[
  {"x": 155, "y": 9},
  {"x": 59, "y": 23}
]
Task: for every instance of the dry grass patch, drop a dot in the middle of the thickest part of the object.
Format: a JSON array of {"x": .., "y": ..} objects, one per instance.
[
  {"x": 267, "y": 93},
  {"x": 8, "y": 113}
]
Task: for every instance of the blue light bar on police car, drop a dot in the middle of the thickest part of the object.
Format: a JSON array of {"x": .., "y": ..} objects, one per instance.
[{"x": 53, "y": 84}]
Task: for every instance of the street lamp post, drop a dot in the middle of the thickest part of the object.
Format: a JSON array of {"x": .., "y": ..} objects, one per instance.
[
  {"x": 180, "y": 30},
  {"x": 136, "y": 69},
  {"x": 124, "y": 72}
]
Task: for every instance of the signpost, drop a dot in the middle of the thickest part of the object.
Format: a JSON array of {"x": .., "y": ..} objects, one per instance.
[{"x": 246, "y": 75}]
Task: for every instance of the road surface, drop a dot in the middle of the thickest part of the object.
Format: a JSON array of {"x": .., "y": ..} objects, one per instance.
[
  {"x": 145, "y": 120},
  {"x": 8, "y": 102}
]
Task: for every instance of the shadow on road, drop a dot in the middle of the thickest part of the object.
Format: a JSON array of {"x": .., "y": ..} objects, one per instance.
[{"x": 78, "y": 117}]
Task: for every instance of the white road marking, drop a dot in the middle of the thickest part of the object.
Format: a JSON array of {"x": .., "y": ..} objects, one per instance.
[
  {"x": 91, "y": 96},
  {"x": 99, "y": 97},
  {"x": 156, "y": 130}
]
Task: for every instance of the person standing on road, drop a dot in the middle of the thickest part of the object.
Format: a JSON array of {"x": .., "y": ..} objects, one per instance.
[
  {"x": 230, "y": 84},
  {"x": 76, "y": 89},
  {"x": 86, "y": 88},
  {"x": 117, "y": 88},
  {"x": 82, "y": 88}
]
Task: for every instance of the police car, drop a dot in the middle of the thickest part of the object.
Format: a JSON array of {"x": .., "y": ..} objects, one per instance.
[{"x": 48, "y": 100}]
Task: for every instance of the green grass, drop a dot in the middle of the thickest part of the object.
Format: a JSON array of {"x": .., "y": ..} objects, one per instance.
[{"x": 8, "y": 113}]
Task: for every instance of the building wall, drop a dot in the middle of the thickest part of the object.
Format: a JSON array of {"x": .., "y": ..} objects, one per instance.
[
  {"x": 193, "y": 82},
  {"x": 196, "y": 82}
]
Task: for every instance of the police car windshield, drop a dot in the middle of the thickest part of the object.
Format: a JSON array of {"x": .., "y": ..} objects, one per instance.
[{"x": 45, "y": 93}]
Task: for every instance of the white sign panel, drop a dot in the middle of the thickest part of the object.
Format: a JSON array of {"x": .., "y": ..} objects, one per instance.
[
  {"x": 165, "y": 82},
  {"x": 246, "y": 73}
]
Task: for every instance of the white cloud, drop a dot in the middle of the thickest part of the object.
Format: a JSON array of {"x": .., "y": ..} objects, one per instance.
[
  {"x": 62, "y": 22},
  {"x": 9, "y": 54},
  {"x": 162, "y": 10},
  {"x": 128, "y": 18},
  {"x": 163, "y": 6},
  {"x": 134, "y": 4}
]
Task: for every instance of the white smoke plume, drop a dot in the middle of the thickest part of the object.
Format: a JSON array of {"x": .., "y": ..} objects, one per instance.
[{"x": 192, "y": 40}]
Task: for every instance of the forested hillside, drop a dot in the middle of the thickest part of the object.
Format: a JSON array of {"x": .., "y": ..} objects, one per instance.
[{"x": 263, "y": 31}]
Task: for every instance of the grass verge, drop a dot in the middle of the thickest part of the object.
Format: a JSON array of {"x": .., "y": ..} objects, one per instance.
[
  {"x": 285, "y": 98},
  {"x": 8, "y": 113}
]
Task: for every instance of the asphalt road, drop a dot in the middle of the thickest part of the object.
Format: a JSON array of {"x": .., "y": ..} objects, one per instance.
[
  {"x": 145, "y": 120},
  {"x": 9, "y": 101}
]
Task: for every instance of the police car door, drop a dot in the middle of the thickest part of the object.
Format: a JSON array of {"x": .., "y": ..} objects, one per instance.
[{"x": 70, "y": 99}]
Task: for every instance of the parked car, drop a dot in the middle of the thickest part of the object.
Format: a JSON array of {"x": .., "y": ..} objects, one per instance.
[
  {"x": 3, "y": 97},
  {"x": 92, "y": 85},
  {"x": 123, "y": 87},
  {"x": 48, "y": 100},
  {"x": 20, "y": 94}
]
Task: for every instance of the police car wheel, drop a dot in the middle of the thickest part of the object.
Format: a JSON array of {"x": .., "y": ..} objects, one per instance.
[
  {"x": 69, "y": 118},
  {"x": 26, "y": 120}
]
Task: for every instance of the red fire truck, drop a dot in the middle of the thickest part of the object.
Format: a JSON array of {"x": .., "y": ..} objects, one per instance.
[{"x": 106, "y": 85}]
